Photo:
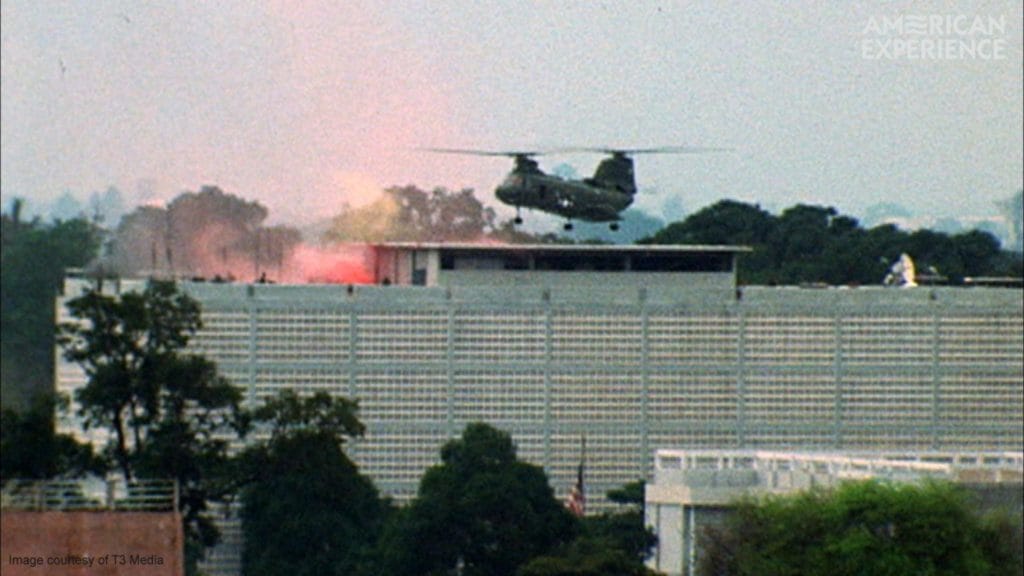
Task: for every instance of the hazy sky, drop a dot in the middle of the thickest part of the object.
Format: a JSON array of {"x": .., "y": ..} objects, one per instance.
[{"x": 306, "y": 105}]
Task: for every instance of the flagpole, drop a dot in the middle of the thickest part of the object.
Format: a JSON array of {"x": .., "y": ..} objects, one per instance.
[
  {"x": 583, "y": 463},
  {"x": 576, "y": 502}
]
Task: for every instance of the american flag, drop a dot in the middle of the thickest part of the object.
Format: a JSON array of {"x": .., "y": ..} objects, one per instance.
[{"x": 576, "y": 502}]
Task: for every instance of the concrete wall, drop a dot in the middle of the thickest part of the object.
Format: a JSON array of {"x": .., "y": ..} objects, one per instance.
[
  {"x": 91, "y": 543},
  {"x": 582, "y": 286}
]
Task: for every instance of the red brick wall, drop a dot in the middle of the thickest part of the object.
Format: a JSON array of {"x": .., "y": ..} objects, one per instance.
[{"x": 118, "y": 543}]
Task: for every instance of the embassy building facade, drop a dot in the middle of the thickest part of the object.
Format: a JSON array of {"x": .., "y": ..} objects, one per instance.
[{"x": 633, "y": 348}]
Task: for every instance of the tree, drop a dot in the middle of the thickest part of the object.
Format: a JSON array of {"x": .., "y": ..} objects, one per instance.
[
  {"x": 410, "y": 214},
  {"x": 858, "y": 528},
  {"x": 30, "y": 448},
  {"x": 169, "y": 412},
  {"x": 305, "y": 502},
  {"x": 203, "y": 233},
  {"x": 510, "y": 233},
  {"x": 481, "y": 511},
  {"x": 809, "y": 244},
  {"x": 610, "y": 544},
  {"x": 141, "y": 241},
  {"x": 33, "y": 261},
  {"x": 976, "y": 250},
  {"x": 624, "y": 528},
  {"x": 1002, "y": 542},
  {"x": 798, "y": 241},
  {"x": 586, "y": 557},
  {"x": 728, "y": 222},
  {"x": 725, "y": 222}
]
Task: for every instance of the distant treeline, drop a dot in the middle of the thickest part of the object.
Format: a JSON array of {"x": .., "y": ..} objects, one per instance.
[
  {"x": 212, "y": 233},
  {"x": 811, "y": 244}
]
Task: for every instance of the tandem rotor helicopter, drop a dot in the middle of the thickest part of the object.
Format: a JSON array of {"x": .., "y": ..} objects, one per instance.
[{"x": 600, "y": 198}]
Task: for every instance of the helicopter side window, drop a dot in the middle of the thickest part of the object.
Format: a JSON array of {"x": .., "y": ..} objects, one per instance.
[
  {"x": 609, "y": 263},
  {"x": 477, "y": 263},
  {"x": 517, "y": 262},
  {"x": 485, "y": 262},
  {"x": 677, "y": 263},
  {"x": 556, "y": 262}
]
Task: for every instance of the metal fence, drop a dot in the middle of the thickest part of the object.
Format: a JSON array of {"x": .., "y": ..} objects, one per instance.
[{"x": 144, "y": 495}]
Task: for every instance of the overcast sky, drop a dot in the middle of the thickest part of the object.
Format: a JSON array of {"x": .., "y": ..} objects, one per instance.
[{"x": 306, "y": 105}]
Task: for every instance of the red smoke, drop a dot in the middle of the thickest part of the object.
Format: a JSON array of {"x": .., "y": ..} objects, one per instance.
[{"x": 340, "y": 264}]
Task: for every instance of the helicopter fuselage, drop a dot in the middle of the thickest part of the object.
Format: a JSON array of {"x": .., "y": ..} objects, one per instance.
[
  {"x": 572, "y": 199},
  {"x": 599, "y": 199}
]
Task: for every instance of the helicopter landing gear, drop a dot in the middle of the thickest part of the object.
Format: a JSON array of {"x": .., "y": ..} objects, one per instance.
[
  {"x": 517, "y": 220},
  {"x": 614, "y": 226},
  {"x": 567, "y": 227}
]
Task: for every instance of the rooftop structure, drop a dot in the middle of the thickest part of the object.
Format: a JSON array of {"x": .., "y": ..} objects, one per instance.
[
  {"x": 438, "y": 264},
  {"x": 91, "y": 527},
  {"x": 90, "y": 494}
]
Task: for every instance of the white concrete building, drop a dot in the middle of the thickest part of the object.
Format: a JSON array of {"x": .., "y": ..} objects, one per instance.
[
  {"x": 634, "y": 347},
  {"x": 693, "y": 489}
]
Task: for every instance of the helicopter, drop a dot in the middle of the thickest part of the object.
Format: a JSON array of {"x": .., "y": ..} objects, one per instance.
[{"x": 600, "y": 198}]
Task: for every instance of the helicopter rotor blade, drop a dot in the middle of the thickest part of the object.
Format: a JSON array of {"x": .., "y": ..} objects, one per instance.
[
  {"x": 505, "y": 153},
  {"x": 657, "y": 150}
]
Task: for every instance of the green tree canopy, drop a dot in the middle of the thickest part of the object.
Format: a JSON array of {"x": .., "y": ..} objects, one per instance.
[
  {"x": 587, "y": 557},
  {"x": 726, "y": 222},
  {"x": 30, "y": 448},
  {"x": 32, "y": 263},
  {"x": 858, "y": 528},
  {"x": 481, "y": 511},
  {"x": 612, "y": 543},
  {"x": 304, "y": 501},
  {"x": 169, "y": 413},
  {"x": 810, "y": 244}
]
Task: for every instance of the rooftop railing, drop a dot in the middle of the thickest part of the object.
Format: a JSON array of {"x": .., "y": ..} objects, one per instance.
[
  {"x": 145, "y": 495},
  {"x": 839, "y": 464}
]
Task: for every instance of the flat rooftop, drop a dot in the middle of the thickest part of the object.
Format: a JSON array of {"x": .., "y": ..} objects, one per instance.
[
  {"x": 565, "y": 248},
  {"x": 442, "y": 263}
]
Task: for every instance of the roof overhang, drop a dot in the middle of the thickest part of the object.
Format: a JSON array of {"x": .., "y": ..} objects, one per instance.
[{"x": 464, "y": 247}]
